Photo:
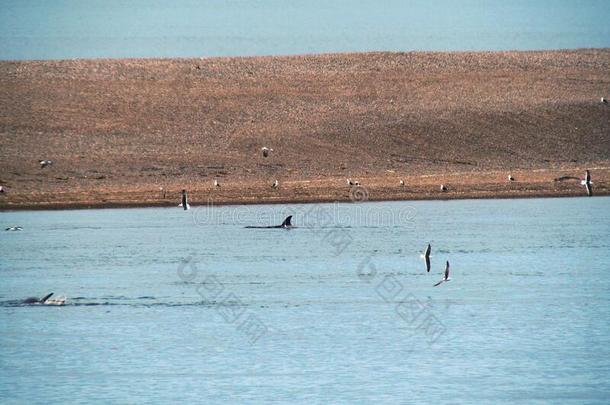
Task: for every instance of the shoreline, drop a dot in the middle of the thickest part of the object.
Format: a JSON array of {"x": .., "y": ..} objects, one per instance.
[
  {"x": 135, "y": 205},
  {"x": 420, "y": 188}
]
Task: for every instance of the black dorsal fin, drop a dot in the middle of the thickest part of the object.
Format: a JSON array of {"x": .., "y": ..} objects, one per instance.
[
  {"x": 46, "y": 297},
  {"x": 286, "y": 222}
]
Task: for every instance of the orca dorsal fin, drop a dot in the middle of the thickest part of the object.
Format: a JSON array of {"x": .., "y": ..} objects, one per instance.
[
  {"x": 286, "y": 222},
  {"x": 46, "y": 297}
]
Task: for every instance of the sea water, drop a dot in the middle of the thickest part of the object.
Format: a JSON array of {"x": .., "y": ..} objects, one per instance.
[{"x": 166, "y": 305}]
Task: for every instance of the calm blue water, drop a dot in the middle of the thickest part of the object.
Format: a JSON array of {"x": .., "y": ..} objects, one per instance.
[
  {"x": 60, "y": 29},
  {"x": 338, "y": 310}
]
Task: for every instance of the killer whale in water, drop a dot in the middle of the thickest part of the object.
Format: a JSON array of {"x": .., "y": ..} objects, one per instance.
[
  {"x": 36, "y": 300},
  {"x": 46, "y": 300},
  {"x": 285, "y": 225}
]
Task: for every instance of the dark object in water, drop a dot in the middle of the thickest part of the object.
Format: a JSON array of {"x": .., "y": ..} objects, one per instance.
[
  {"x": 35, "y": 300},
  {"x": 286, "y": 224}
]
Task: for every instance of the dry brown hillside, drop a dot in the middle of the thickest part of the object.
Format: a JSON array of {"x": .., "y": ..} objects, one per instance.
[{"x": 117, "y": 130}]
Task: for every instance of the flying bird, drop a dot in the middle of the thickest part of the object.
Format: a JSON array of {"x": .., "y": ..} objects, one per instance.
[
  {"x": 14, "y": 228},
  {"x": 45, "y": 163},
  {"x": 266, "y": 151},
  {"x": 446, "y": 275},
  {"x": 275, "y": 184},
  {"x": 351, "y": 182},
  {"x": 184, "y": 204},
  {"x": 587, "y": 183},
  {"x": 427, "y": 257}
]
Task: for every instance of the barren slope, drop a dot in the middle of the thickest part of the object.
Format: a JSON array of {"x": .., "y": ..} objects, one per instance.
[{"x": 118, "y": 130}]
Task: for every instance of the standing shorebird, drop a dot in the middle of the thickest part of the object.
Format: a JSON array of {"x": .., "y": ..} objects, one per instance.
[
  {"x": 511, "y": 178},
  {"x": 1, "y": 190},
  {"x": 275, "y": 184},
  {"x": 587, "y": 183},
  {"x": 402, "y": 183},
  {"x": 216, "y": 183},
  {"x": 45, "y": 163},
  {"x": 604, "y": 101},
  {"x": 446, "y": 278},
  {"x": 443, "y": 188},
  {"x": 266, "y": 151},
  {"x": 184, "y": 204}
]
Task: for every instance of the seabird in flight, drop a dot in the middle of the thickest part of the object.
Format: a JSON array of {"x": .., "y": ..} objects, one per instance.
[
  {"x": 587, "y": 183},
  {"x": 426, "y": 257},
  {"x": 184, "y": 204},
  {"x": 45, "y": 163},
  {"x": 14, "y": 228},
  {"x": 275, "y": 184},
  {"x": 351, "y": 182},
  {"x": 446, "y": 275}
]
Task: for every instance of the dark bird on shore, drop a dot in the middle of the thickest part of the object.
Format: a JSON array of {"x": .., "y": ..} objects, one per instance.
[
  {"x": 443, "y": 188},
  {"x": 45, "y": 163},
  {"x": 266, "y": 151},
  {"x": 563, "y": 178},
  {"x": 275, "y": 184},
  {"x": 426, "y": 257},
  {"x": 446, "y": 278},
  {"x": 587, "y": 183},
  {"x": 511, "y": 178},
  {"x": 14, "y": 228},
  {"x": 184, "y": 204},
  {"x": 604, "y": 101}
]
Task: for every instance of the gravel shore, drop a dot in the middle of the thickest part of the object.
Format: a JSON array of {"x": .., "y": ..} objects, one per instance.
[{"x": 118, "y": 131}]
